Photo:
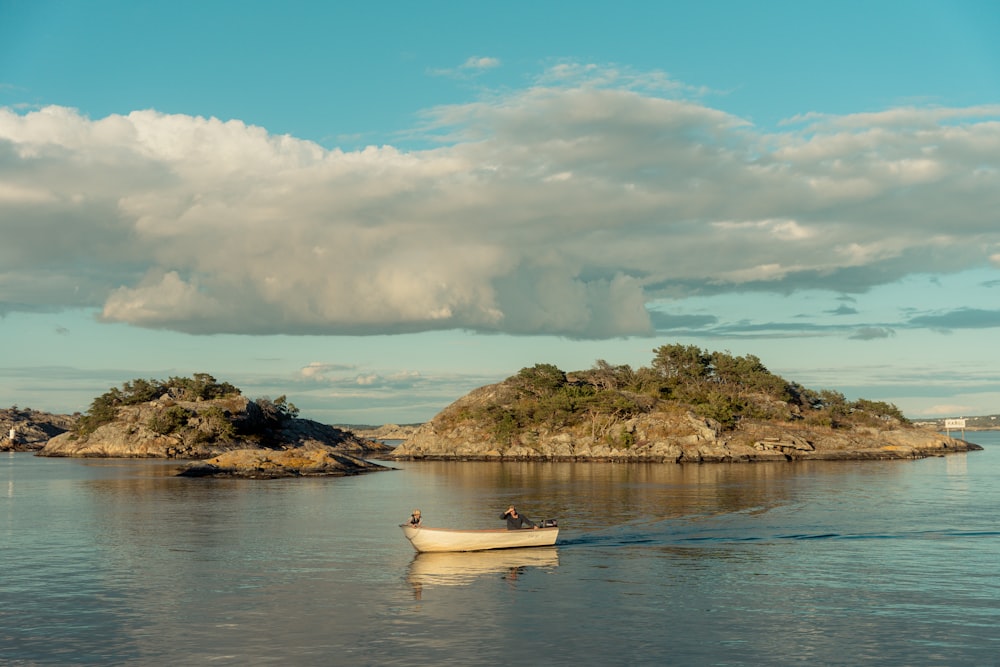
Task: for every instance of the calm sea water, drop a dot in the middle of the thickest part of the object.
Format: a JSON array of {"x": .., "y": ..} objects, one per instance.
[{"x": 832, "y": 563}]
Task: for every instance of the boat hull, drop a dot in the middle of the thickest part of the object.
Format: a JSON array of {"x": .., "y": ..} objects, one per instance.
[{"x": 429, "y": 540}]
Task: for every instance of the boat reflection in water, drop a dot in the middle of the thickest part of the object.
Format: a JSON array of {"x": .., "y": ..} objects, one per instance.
[{"x": 460, "y": 568}]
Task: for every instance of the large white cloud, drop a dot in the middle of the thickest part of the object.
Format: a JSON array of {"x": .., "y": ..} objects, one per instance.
[{"x": 557, "y": 210}]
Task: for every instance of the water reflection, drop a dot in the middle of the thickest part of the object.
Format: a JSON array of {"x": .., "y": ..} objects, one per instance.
[
  {"x": 459, "y": 569},
  {"x": 958, "y": 464},
  {"x": 593, "y": 497}
]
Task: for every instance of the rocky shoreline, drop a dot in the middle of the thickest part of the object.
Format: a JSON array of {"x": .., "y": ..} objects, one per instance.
[
  {"x": 687, "y": 439},
  {"x": 385, "y": 432},
  {"x": 313, "y": 461}
]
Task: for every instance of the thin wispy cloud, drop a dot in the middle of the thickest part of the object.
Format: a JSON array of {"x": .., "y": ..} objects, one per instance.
[
  {"x": 472, "y": 67},
  {"x": 924, "y": 116},
  {"x": 481, "y": 63},
  {"x": 842, "y": 310},
  {"x": 591, "y": 75},
  {"x": 324, "y": 372},
  {"x": 961, "y": 318},
  {"x": 872, "y": 333}
]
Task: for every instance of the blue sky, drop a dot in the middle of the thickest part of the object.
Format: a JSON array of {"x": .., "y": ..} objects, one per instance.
[{"x": 375, "y": 208}]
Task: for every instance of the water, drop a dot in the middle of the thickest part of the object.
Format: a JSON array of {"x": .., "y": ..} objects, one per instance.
[{"x": 832, "y": 563}]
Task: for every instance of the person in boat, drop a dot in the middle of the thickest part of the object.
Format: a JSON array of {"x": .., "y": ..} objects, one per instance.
[
  {"x": 516, "y": 521},
  {"x": 415, "y": 519}
]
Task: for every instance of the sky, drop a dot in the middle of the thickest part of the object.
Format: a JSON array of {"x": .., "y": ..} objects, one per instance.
[{"x": 374, "y": 208}]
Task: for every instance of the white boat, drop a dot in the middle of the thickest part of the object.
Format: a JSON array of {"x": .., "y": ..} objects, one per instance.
[{"x": 444, "y": 539}]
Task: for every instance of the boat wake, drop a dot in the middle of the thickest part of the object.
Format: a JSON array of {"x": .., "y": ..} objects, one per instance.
[{"x": 671, "y": 533}]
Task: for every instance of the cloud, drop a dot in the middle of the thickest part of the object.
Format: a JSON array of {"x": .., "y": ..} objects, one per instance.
[
  {"x": 670, "y": 322},
  {"x": 564, "y": 208},
  {"x": 872, "y": 333},
  {"x": 348, "y": 374},
  {"x": 952, "y": 409},
  {"x": 481, "y": 63},
  {"x": 929, "y": 117},
  {"x": 318, "y": 371},
  {"x": 472, "y": 67},
  {"x": 843, "y": 309},
  {"x": 961, "y": 318},
  {"x": 161, "y": 299}
]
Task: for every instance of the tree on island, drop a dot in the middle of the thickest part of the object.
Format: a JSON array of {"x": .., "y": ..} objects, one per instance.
[
  {"x": 715, "y": 385},
  {"x": 213, "y": 423}
]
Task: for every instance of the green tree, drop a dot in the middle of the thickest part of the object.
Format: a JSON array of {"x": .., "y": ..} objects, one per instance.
[
  {"x": 540, "y": 379},
  {"x": 168, "y": 421},
  {"x": 277, "y": 411},
  {"x": 103, "y": 409},
  {"x": 879, "y": 409},
  {"x": 608, "y": 377},
  {"x": 834, "y": 402},
  {"x": 680, "y": 364},
  {"x": 141, "y": 391},
  {"x": 721, "y": 407}
]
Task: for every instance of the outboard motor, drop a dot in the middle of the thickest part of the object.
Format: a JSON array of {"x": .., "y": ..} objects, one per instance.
[{"x": 549, "y": 523}]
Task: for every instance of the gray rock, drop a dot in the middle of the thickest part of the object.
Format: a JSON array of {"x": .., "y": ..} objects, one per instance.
[
  {"x": 31, "y": 429},
  {"x": 306, "y": 461}
]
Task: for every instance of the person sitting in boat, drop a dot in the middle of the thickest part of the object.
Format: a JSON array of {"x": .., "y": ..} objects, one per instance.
[
  {"x": 516, "y": 521},
  {"x": 415, "y": 519}
]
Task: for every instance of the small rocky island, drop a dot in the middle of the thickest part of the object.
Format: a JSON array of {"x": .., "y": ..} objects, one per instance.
[
  {"x": 27, "y": 430},
  {"x": 689, "y": 406},
  {"x": 216, "y": 426}
]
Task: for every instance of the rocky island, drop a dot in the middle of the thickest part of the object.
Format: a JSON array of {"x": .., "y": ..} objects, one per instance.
[
  {"x": 27, "y": 430},
  {"x": 689, "y": 406},
  {"x": 212, "y": 423}
]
